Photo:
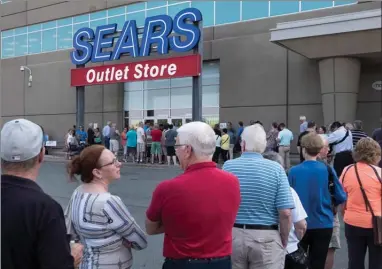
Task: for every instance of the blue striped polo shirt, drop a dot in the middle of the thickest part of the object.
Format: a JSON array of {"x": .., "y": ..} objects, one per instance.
[{"x": 264, "y": 189}]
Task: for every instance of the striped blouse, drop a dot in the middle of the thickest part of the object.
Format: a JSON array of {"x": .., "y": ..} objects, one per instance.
[{"x": 105, "y": 227}]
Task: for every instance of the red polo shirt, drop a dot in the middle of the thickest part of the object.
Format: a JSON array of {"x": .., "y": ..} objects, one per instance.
[
  {"x": 156, "y": 135},
  {"x": 198, "y": 210}
]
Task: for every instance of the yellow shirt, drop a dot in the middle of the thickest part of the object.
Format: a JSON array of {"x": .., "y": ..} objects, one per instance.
[{"x": 225, "y": 142}]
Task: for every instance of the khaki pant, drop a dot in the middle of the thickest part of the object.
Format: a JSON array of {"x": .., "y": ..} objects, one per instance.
[
  {"x": 284, "y": 152},
  {"x": 257, "y": 249}
]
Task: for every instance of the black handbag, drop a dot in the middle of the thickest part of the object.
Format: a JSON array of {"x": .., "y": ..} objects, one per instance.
[
  {"x": 377, "y": 220},
  {"x": 297, "y": 260}
]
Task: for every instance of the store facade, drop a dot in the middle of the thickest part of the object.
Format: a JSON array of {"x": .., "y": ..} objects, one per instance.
[{"x": 248, "y": 72}]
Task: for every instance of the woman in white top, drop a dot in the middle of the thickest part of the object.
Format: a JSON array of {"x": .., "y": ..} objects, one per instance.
[
  {"x": 100, "y": 220},
  {"x": 298, "y": 229},
  {"x": 218, "y": 139}
]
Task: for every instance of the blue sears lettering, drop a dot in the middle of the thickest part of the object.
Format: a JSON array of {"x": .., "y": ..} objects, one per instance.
[{"x": 90, "y": 46}]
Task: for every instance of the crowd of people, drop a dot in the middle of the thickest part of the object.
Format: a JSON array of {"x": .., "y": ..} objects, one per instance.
[{"x": 255, "y": 212}]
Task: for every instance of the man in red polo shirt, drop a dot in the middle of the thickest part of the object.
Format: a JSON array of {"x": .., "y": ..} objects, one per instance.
[
  {"x": 195, "y": 210},
  {"x": 156, "y": 147}
]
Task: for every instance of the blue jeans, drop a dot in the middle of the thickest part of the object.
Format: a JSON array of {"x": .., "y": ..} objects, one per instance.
[
  {"x": 222, "y": 263},
  {"x": 107, "y": 142}
]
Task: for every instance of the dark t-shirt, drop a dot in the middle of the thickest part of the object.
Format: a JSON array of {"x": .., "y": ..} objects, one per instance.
[{"x": 299, "y": 144}]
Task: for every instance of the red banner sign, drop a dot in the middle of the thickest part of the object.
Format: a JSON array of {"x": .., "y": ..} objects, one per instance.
[{"x": 176, "y": 67}]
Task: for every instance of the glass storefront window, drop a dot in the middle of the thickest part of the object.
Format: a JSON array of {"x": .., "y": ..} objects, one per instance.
[
  {"x": 181, "y": 97},
  {"x": 340, "y": 3},
  {"x": 119, "y": 20},
  {"x": 21, "y": 46},
  {"x": 94, "y": 24},
  {"x": 98, "y": 15},
  {"x": 139, "y": 17},
  {"x": 156, "y": 11},
  {"x": 49, "y": 39},
  {"x": 227, "y": 11},
  {"x": 210, "y": 74},
  {"x": 77, "y": 27},
  {"x": 34, "y": 43},
  {"x": 116, "y": 11},
  {"x": 156, "y": 99},
  {"x": 63, "y": 22},
  {"x": 151, "y": 4},
  {"x": 133, "y": 100},
  {"x": 210, "y": 96},
  {"x": 156, "y": 84},
  {"x": 136, "y": 7},
  {"x": 207, "y": 9},
  {"x": 81, "y": 18},
  {"x": 284, "y": 7},
  {"x": 7, "y": 45},
  {"x": 311, "y": 5},
  {"x": 254, "y": 9},
  {"x": 64, "y": 37},
  {"x": 181, "y": 82},
  {"x": 173, "y": 10},
  {"x": 49, "y": 25}
]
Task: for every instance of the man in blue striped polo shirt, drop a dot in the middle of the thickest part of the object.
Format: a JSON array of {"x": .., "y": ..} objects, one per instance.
[{"x": 264, "y": 219}]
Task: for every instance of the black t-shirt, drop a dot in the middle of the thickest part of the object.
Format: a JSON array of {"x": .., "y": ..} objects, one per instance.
[{"x": 299, "y": 144}]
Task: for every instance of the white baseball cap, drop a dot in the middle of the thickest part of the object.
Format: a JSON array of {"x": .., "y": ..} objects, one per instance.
[{"x": 21, "y": 140}]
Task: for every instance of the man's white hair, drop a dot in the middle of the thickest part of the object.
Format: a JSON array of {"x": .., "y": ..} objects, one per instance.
[
  {"x": 302, "y": 118},
  {"x": 255, "y": 138},
  {"x": 200, "y": 136}
]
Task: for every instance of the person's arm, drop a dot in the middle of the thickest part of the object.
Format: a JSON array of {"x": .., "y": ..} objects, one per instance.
[
  {"x": 300, "y": 228},
  {"x": 278, "y": 139},
  {"x": 53, "y": 250},
  {"x": 339, "y": 193},
  {"x": 124, "y": 224},
  {"x": 154, "y": 223},
  {"x": 298, "y": 216},
  {"x": 334, "y": 137},
  {"x": 284, "y": 203}
]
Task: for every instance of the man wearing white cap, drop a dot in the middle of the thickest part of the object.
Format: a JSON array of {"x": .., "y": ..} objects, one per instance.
[{"x": 33, "y": 230}]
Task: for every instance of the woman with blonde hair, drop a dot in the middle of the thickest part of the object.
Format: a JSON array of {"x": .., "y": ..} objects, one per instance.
[
  {"x": 363, "y": 185},
  {"x": 98, "y": 219}
]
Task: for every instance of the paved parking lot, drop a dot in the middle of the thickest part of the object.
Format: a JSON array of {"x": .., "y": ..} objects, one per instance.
[{"x": 135, "y": 188}]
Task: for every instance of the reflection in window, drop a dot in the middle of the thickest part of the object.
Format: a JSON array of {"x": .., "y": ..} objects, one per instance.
[
  {"x": 134, "y": 86},
  {"x": 119, "y": 20},
  {"x": 210, "y": 74},
  {"x": 254, "y": 9},
  {"x": 181, "y": 97},
  {"x": 311, "y": 5},
  {"x": 34, "y": 42},
  {"x": 139, "y": 17},
  {"x": 227, "y": 11},
  {"x": 64, "y": 37},
  {"x": 21, "y": 46},
  {"x": 157, "y": 84},
  {"x": 49, "y": 40},
  {"x": 173, "y": 10},
  {"x": 284, "y": 7},
  {"x": 156, "y": 99},
  {"x": 207, "y": 10},
  {"x": 94, "y": 24},
  {"x": 181, "y": 82}
]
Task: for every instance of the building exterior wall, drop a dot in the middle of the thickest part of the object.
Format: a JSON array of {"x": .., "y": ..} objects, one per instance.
[{"x": 258, "y": 80}]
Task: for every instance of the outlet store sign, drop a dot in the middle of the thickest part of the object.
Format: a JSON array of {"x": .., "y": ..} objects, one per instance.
[{"x": 179, "y": 35}]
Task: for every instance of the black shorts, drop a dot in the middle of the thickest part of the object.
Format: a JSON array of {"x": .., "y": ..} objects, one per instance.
[
  {"x": 170, "y": 151},
  {"x": 132, "y": 150}
]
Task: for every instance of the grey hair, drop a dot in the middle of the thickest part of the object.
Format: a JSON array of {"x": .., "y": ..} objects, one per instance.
[
  {"x": 200, "y": 136},
  {"x": 255, "y": 138},
  {"x": 357, "y": 125},
  {"x": 273, "y": 156}
]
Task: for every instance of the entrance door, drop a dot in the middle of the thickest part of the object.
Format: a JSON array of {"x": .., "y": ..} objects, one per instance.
[
  {"x": 162, "y": 121},
  {"x": 177, "y": 122}
]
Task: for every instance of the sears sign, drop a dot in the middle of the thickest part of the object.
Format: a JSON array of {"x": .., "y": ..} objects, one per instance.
[{"x": 161, "y": 30}]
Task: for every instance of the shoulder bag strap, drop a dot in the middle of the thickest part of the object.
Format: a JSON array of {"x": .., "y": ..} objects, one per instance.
[
  {"x": 367, "y": 202},
  {"x": 342, "y": 140},
  {"x": 343, "y": 178},
  {"x": 380, "y": 180}
]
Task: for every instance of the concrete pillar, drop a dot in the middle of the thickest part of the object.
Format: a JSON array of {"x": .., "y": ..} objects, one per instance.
[{"x": 339, "y": 79}]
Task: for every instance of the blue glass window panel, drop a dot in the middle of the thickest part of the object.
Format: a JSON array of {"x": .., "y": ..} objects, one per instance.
[
  {"x": 156, "y": 11},
  {"x": 119, "y": 20},
  {"x": 21, "y": 30},
  {"x": 151, "y": 4},
  {"x": 47, "y": 25},
  {"x": 311, "y": 5},
  {"x": 116, "y": 11},
  {"x": 136, "y": 7},
  {"x": 49, "y": 39},
  {"x": 340, "y": 3},
  {"x": 254, "y": 9},
  {"x": 7, "y": 45},
  {"x": 66, "y": 21},
  {"x": 21, "y": 45},
  {"x": 94, "y": 24},
  {"x": 98, "y": 15},
  {"x": 139, "y": 17},
  {"x": 65, "y": 37},
  {"x": 207, "y": 9},
  {"x": 284, "y": 7},
  {"x": 33, "y": 28},
  {"x": 8, "y": 33},
  {"x": 34, "y": 43},
  {"x": 173, "y": 10},
  {"x": 82, "y": 18},
  {"x": 227, "y": 11},
  {"x": 76, "y": 27}
]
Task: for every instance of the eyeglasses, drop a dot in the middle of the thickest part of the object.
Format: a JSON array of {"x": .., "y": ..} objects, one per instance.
[
  {"x": 180, "y": 145},
  {"x": 114, "y": 162}
]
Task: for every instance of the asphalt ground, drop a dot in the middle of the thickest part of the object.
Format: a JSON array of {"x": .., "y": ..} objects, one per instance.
[{"x": 135, "y": 188}]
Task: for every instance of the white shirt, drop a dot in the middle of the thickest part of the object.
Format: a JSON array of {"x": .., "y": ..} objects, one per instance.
[
  {"x": 338, "y": 135},
  {"x": 218, "y": 140},
  {"x": 71, "y": 140},
  {"x": 298, "y": 214},
  {"x": 140, "y": 135}
]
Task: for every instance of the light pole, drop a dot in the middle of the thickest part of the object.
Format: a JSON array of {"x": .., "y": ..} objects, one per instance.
[{"x": 22, "y": 69}]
